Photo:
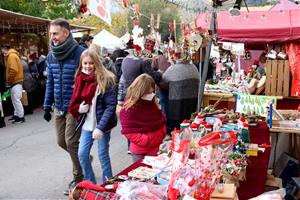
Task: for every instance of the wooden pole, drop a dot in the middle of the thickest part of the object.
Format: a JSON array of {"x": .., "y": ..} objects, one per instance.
[
  {"x": 174, "y": 29},
  {"x": 158, "y": 21}
]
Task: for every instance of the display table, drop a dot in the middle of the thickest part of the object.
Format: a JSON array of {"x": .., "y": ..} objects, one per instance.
[
  {"x": 228, "y": 100},
  {"x": 256, "y": 174}
]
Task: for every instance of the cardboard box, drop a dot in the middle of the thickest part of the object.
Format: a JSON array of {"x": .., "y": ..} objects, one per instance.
[{"x": 229, "y": 193}]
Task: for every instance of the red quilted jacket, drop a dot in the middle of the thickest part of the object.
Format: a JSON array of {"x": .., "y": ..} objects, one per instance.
[{"x": 146, "y": 143}]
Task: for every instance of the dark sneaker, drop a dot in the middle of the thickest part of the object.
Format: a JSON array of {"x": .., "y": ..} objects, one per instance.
[
  {"x": 12, "y": 118},
  {"x": 66, "y": 192},
  {"x": 2, "y": 122},
  {"x": 71, "y": 185},
  {"x": 19, "y": 120}
]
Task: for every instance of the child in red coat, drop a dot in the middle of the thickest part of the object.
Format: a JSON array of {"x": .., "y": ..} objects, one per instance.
[{"x": 143, "y": 123}]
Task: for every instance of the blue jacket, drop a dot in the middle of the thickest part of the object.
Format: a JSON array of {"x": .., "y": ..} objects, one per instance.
[
  {"x": 106, "y": 110},
  {"x": 60, "y": 80}
]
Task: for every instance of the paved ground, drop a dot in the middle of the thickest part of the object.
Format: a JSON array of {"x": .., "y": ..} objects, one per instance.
[{"x": 32, "y": 166}]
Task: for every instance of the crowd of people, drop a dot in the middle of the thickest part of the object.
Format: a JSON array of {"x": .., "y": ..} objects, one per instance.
[
  {"x": 19, "y": 73},
  {"x": 84, "y": 87}
]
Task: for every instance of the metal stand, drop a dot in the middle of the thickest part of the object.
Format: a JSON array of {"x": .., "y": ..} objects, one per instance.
[{"x": 202, "y": 78}]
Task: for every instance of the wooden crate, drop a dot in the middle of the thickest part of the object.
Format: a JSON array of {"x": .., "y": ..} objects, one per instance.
[{"x": 278, "y": 78}]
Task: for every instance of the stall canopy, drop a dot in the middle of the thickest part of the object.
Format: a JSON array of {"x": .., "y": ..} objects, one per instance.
[
  {"x": 17, "y": 22},
  {"x": 107, "y": 40},
  {"x": 256, "y": 27}
]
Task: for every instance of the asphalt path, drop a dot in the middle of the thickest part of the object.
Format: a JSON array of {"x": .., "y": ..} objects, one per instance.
[{"x": 33, "y": 166}]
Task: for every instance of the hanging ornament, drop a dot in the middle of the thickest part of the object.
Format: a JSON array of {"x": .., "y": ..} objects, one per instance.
[
  {"x": 171, "y": 27},
  {"x": 83, "y": 8},
  {"x": 136, "y": 12},
  {"x": 138, "y": 38},
  {"x": 247, "y": 54},
  {"x": 149, "y": 46}
]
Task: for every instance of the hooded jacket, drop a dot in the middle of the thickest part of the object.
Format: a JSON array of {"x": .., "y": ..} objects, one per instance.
[{"x": 14, "y": 69}]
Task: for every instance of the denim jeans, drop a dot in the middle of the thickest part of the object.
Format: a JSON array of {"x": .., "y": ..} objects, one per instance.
[
  {"x": 163, "y": 100},
  {"x": 85, "y": 145},
  {"x": 164, "y": 103}
]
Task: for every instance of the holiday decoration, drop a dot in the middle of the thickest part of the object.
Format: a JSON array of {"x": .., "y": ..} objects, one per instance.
[
  {"x": 101, "y": 9},
  {"x": 138, "y": 38},
  {"x": 247, "y": 54}
]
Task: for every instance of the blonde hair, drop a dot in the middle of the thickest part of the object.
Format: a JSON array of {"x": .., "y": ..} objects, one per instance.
[
  {"x": 139, "y": 87},
  {"x": 104, "y": 77}
]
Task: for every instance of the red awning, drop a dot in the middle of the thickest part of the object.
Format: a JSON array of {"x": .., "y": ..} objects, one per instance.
[{"x": 257, "y": 27}]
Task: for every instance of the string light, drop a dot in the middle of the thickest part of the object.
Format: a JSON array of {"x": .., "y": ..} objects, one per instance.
[{"x": 185, "y": 5}]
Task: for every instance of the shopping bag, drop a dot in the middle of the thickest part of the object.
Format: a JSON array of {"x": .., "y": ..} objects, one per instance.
[{"x": 24, "y": 98}]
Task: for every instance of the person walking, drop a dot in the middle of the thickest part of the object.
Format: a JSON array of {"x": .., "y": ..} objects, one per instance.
[
  {"x": 143, "y": 123},
  {"x": 29, "y": 85},
  {"x": 63, "y": 60},
  {"x": 94, "y": 96},
  {"x": 14, "y": 78}
]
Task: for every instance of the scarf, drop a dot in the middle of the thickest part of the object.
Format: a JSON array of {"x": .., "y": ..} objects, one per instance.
[
  {"x": 84, "y": 90},
  {"x": 62, "y": 51},
  {"x": 143, "y": 117}
]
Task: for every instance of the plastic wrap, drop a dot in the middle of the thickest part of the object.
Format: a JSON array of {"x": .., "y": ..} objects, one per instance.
[
  {"x": 135, "y": 190},
  {"x": 293, "y": 50},
  {"x": 272, "y": 195}
]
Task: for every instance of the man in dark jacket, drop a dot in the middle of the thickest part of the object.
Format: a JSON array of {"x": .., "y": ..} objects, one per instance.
[
  {"x": 86, "y": 40},
  {"x": 132, "y": 67},
  {"x": 63, "y": 60}
]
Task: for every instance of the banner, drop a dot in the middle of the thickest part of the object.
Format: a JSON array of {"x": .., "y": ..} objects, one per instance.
[
  {"x": 254, "y": 104},
  {"x": 101, "y": 9}
]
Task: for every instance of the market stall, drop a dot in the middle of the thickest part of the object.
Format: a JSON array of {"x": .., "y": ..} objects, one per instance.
[
  {"x": 257, "y": 31},
  {"x": 216, "y": 155},
  {"x": 28, "y": 34},
  {"x": 108, "y": 40}
]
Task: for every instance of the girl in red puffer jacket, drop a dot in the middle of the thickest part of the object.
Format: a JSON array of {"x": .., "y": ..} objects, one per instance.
[{"x": 143, "y": 123}]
